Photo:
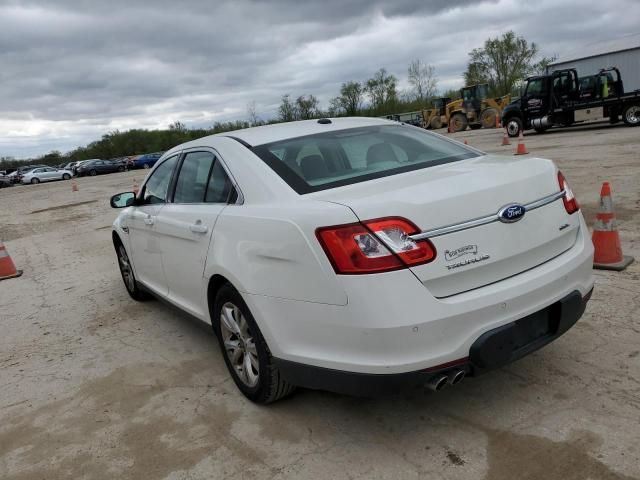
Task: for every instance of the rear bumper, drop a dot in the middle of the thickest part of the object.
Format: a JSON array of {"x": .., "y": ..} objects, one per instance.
[{"x": 495, "y": 348}]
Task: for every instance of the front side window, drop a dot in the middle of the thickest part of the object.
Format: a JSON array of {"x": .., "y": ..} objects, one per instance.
[
  {"x": 535, "y": 87},
  {"x": 343, "y": 157},
  {"x": 155, "y": 190}
]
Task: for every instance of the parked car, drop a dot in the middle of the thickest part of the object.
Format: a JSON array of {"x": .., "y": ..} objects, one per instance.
[
  {"x": 45, "y": 174},
  {"x": 146, "y": 161},
  {"x": 79, "y": 163},
  {"x": 20, "y": 171},
  {"x": 5, "y": 181},
  {"x": 96, "y": 167},
  {"x": 357, "y": 255}
]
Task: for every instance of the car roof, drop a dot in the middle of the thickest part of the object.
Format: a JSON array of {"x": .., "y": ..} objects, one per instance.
[{"x": 282, "y": 131}]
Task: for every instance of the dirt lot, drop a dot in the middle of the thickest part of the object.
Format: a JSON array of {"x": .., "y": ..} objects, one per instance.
[{"x": 94, "y": 385}]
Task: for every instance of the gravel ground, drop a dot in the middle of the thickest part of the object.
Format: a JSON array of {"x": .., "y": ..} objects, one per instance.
[{"x": 94, "y": 385}]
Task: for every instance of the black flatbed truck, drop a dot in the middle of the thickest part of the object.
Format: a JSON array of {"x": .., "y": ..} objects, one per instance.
[{"x": 557, "y": 100}]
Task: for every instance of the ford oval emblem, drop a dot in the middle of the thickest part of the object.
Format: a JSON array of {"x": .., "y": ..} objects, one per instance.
[{"x": 511, "y": 213}]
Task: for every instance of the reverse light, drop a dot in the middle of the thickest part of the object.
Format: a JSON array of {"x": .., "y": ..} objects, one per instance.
[
  {"x": 569, "y": 199},
  {"x": 374, "y": 246}
]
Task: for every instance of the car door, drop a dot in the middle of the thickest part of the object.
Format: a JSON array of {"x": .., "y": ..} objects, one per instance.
[
  {"x": 145, "y": 245},
  {"x": 202, "y": 190},
  {"x": 48, "y": 174}
]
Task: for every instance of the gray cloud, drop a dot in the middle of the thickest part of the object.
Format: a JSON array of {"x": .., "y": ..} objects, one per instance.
[{"x": 72, "y": 70}]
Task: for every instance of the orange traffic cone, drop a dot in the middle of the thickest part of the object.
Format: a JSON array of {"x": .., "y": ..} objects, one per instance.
[
  {"x": 136, "y": 187},
  {"x": 521, "y": 149},
  {"x": 7, "y": 267},
  {"x": 505, "y": 138},
  {"x": 450, "y": 129},
  {"x": 74, "y": 186},
  {"x": 608, "y": 254},
  {"x": 466, "y": 143},
  {"x": 498, "y": 124}
]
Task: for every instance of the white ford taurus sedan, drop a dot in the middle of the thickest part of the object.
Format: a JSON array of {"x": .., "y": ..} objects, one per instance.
[{"x": 357, "y": 255}]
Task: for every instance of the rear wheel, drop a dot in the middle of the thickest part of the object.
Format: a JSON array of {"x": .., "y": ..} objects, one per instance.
[
  {"x": 488, "y": 118},
  {"x": 146, "y": 166},
  {"x": 631, "y": 115},
  {"x": 128, "y": 277},
  {"x": 35, "y": 180},
  {"x": 436, "y": 123},
  {"x": 93, "y": 173},
  {"x": 66, "y": 176},
  {"x": 244, "y": 349},
  {"x": 514, "y": 126},
  {"x": 121, "y": 168},
  {"x": 459, "y": 122}
]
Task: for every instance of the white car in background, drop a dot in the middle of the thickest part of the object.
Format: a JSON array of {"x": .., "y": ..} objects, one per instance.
[
  {"x": 45, "y": 174},
  {"x": 357, "y": 255}
]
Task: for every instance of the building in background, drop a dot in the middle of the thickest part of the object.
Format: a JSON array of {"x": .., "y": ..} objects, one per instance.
[{"x": 622, "y": 52}]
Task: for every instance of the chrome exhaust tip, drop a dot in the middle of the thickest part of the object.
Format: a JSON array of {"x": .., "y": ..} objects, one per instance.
[
  {"x": 456, "y": 377},
  {"x": 437, "y": 383}
]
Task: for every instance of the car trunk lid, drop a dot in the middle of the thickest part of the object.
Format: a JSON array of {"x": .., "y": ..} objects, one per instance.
[{"x": 469, "y": 194}]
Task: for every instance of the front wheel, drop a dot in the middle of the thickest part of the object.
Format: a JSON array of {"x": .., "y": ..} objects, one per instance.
[
  {"x": 245, "y": 351},
  {"x": 121, "y": 168},
  {"x": 128, "y": 276},
  {"x": 631, "y": 115},
  {"x": 459, "y": 122},
  {"x": 93, "y": 173},
  {"x": 146, "y": 166},
  {"x": 66, "y": 176},
  {"x": 514, "y": 126},
  {"x": 35, "y": 181},
  {"x": 488, "y": 118}
]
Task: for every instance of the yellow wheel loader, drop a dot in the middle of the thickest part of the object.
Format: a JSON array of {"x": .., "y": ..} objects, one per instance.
[
  {"x": 475, "y": 109},
  {"x": 435, "y": 117}
]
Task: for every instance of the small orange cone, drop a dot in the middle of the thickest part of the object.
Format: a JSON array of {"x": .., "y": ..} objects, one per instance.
[
  {"x": 7, "y": 267},
  {"x": 505, "y": 138},
  {"x": 465, "y": 142},
  {"x": 136, "y": 187},
  {"x": 450, "y": 129},
  {"x": 74, "y": 186},
  {"x": 498, "y": 124},
  {"x": 521, "y": 149},
  {"x": 606, "y": 240}
]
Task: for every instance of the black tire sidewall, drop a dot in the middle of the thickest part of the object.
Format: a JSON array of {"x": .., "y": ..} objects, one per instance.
[
  {"x": 624, "y": 116},
  {"x": 518, "y": 122},
  {"x": 35, "y": 181},
  {"x": 258, "y": 393},
  {"x": 66, "y": 176},
  {"x": 137, "y": 293}
]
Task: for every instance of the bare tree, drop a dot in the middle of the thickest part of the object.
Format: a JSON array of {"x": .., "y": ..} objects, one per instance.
[
  {"x": 422, "y": 78},
  {"x": 382, "y": 88},
  {"x": 254, "y": 120},
  {"x": 287, "y": 109},
  {"x": 351, "y": 97},
  {"x": 307, "y": 107}
]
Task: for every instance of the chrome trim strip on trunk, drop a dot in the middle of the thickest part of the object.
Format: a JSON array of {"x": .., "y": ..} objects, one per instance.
[{"x": 476, "y": 222}]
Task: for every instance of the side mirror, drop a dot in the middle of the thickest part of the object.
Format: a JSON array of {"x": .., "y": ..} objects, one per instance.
[{"x": 122, "y": 200}]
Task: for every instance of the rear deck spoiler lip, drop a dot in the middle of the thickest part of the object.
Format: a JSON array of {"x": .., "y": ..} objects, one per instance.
[{"x": 476, "y": 222}]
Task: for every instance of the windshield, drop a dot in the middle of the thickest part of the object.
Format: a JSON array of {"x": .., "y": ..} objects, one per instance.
[{"x": 333, "y": 159}]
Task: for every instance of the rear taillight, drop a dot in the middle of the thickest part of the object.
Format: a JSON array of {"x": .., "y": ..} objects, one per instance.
[
  {"x": 374, "y": 246},
  {"x": 569, "y": 199}
]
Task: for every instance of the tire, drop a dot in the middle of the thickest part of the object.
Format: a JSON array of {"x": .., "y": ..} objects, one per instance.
[
  {"x": 631, "y": 115},
  {"x": 488, "y": 118},
  {"x": 66, "y": 176},
  {"x": 146, "y": 166},
  {"x": 436, "y": 123},
  {"x": 514, "y": 126},
  {"x": 460, "y": 122},
  {"x": 35, "y": 181},
  {"x": 128, "y": 277},
  {"x": 242, "y": 345},
  {"x": 121, "y": 168},
  {"x": 93, "y": 173}
]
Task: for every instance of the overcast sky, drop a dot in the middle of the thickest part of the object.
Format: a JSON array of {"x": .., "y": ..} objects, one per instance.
[{"x": 72, "y": 70}]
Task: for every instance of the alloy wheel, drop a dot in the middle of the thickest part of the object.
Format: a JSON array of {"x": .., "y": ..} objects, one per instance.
[
  {"x": 239, "y": 344},
  {"x": 125, "y": 269},
  {"x": 513, "y": 128}
]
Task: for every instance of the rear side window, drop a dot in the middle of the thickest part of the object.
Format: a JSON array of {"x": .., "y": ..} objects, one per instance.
[{"x": 328, "y": 160}]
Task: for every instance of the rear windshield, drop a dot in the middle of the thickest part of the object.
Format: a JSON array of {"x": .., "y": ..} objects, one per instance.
[{"x": 333, "y": 159}]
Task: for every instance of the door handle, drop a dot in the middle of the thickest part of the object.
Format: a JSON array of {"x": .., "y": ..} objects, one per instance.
[
  {"x": 149, "y": 220},
  {"x": 198, "y": 227}
]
